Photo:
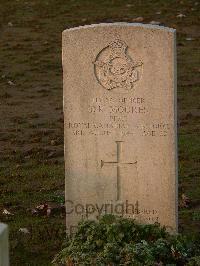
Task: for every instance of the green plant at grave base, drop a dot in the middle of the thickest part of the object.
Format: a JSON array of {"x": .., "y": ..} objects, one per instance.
[{"x": 119, "y": 241}]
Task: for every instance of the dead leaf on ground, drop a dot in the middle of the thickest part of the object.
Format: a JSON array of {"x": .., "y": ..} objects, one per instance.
[
  {"x": 24, "y": 230},
  {"x": 138, "y": 19},
  {"x": 184, "y": 201},
  {"x": 6, "y": 212}
]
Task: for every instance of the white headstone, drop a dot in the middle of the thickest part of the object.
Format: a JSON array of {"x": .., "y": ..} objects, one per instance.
[
  {"x": 4, "y": 259},
  {"x": 120, "y": 122}
]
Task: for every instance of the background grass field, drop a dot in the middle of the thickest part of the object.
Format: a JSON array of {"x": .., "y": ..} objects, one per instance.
[{"x": 31, "y": 118}]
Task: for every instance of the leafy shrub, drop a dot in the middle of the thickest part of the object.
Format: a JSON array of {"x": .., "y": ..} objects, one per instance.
[{"x": 118, "y": 241}]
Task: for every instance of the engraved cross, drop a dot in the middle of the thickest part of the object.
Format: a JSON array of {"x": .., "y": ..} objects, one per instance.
[{"x": 119, "y": 163}]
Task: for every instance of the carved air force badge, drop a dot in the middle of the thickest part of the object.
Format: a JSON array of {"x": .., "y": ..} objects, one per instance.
[{"x": 115, "y": 69}]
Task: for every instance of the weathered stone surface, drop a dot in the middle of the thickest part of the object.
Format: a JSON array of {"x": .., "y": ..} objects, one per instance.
[
  {"x": 4, "y": 260},
  {"x": 120, "y": 122}
]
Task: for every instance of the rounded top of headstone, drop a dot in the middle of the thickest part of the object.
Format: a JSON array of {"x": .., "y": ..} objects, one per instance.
[{"x": 122, "y": 24}]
